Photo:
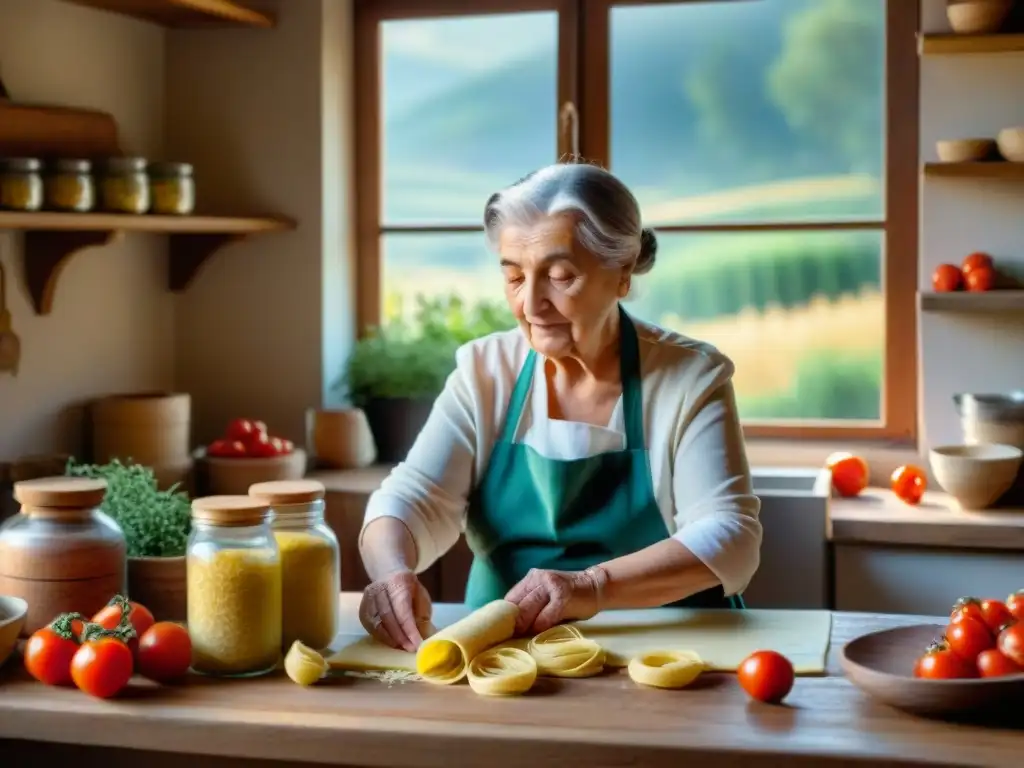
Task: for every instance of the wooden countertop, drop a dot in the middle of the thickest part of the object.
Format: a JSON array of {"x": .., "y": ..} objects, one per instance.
[
  {"x": 604, "y": 721},
  {"x": 875, "y": 517}
]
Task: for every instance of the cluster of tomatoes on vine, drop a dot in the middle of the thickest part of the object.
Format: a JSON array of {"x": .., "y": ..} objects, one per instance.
[{"x": 984, "y": 638}]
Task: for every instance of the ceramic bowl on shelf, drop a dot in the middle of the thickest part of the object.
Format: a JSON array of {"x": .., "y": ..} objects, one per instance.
[
  {"x": 1011, "y": 143},
  {"x": 881, "y": 664},
  {"x": 965, "y": 150},
  {"x": 13, "y": 611},
  {"x": 234, "y": 476},
  {"x": 978, "y": 17},
  {"x": 976, "y": 475}
]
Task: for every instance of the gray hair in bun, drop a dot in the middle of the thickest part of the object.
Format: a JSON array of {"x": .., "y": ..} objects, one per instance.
[{"x": 608, "y": 214}]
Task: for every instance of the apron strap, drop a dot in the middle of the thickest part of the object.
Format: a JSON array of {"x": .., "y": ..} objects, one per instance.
[
  {"x": 518, "y": 399},
  {"x": 629, "y": 372}
]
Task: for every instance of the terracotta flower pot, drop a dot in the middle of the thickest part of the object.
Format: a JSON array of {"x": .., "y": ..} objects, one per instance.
[
  {"x": 159, "y": 584},
  {"x": 341, "y": 439}
]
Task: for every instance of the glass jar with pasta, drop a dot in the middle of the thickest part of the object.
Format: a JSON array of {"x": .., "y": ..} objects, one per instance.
[
  {"x": 233, "y": 573},
  {"x": 310, "y": 560},
  {"x": 172, "y": 188},
  {"x": 124, "y": 186},
  {"x": 69, "y": 186},
  {"x": 21, "y": 184}
]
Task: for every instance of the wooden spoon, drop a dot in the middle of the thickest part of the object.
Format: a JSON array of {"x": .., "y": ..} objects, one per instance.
[{"x": 10, "y": 344}]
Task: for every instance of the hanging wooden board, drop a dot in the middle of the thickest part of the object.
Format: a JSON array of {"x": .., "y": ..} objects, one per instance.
[{"x": 37, "y": 130}]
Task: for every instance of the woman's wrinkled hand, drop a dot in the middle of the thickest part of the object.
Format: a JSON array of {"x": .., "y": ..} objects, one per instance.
[
  {"x": 546, "y": 598},
  {"x": 397, "y": 611}
]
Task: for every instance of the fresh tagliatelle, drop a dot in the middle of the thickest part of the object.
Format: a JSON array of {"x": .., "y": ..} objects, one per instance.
[
  {"x": 666, "y": 669},
  {"x": 304, "y": 665},
  {"x": 563, "y": 651},
  {"x": 502, "y": 672}
]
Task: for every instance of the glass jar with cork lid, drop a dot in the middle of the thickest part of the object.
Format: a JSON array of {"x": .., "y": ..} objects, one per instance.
[
  {"x": 21, "y": 184},
  {"x": 61, "y": 554},
  {"x": 233, "y": 576},
  {"x": 124, "y": 185},
  {"x": 310, "y": 561}
]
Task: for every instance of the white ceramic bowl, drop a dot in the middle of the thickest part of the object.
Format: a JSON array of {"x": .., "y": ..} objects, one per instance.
[
  {"x": 13, "y": 611},
  {"x": 978, "y": 17},
  {"x": 965, "y": 150},
  {"x": 1011, "y": 143},
  {"x": 233, "y": 477},
  {"x": 976, "y": 475}
]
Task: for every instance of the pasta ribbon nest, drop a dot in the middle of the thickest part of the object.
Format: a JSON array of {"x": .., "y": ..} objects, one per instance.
[
  {"x": 666, "y": 669},
  {"x": 502, "y": 672},
  {"x": 563, "y": 651},
  {"x": 304, "y": 665}
]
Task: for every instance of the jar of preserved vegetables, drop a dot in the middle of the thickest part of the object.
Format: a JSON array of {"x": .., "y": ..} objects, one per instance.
[
  {"x": 310, "y": 560},
  {"x": 124, "y": 185},
  {"x": 172, "y": 188},
  {"x": 69, "y": 186},
  {"x": 233, "y": 573},
  {"x": 21, "y": 184}
]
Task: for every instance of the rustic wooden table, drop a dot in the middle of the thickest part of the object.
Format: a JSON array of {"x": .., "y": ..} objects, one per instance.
[{"x": 605, "y": 721}]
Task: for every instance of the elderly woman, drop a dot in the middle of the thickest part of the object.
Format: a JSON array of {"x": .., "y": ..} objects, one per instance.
[{"x": 593, "y": 461}]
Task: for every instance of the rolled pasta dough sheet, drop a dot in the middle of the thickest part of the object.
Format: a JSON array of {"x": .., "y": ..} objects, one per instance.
[
  {"x": 445, "y": 657},
  {"x": 722, "y": 638}
]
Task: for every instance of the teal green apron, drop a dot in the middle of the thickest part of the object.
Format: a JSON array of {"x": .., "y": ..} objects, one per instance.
[{"x": 533, "y": 512}]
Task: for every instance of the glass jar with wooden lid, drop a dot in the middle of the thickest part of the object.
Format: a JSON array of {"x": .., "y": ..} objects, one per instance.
[
  {"x": 172, "y": 188},
  {"x": 61, "y": 554},
  {"x": 310, "y": 560},
  {"x": 69, "y": 186},
  {"x": 21, "y": 184},
  {"x": 233, "y": 574},
  {"x": 124, "y": 185}
]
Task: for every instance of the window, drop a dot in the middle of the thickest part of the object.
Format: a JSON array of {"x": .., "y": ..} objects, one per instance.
[{"x": 772, "y": 145}]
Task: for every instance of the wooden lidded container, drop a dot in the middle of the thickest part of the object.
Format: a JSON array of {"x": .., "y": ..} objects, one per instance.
[
  {"x": 61, "y": 553},
  {"x": 147, "y": 428}
]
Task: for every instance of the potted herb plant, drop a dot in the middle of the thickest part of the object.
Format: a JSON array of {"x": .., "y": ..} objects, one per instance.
[
  {"x": 395, "y": 373},
  {"x": 156, "y": 524}
]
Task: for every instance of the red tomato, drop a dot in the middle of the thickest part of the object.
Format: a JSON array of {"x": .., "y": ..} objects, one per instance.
[
  {"x": 766, "y": 676},
  {"x": 261, "y": 447},
  {"x": 1011, "y": 643},
  {"x": 849, "y": 473},
  {"x": 969, "y": 637},
  {"x": 967, "y": 607},
  {"x": 996, "y": 614},
  {"x": 165, "y": 652},
  {"x": 283, "y": 446},
  {"x": 102, "y": 666},
  {"x": 227, "y": 449},
  {"x": 245, "y": 430},
  {"x": 946, "y": 278},
  {"x": 909, "y": 483},
  {"x": 976, "y": 260},
  {"x": 980, "y": 279},
  {"x": 139, "y": 616},
  {"x": 48, "y": 654},
  {"x": 1015, "y": 604},
  {"x": 940, "y": 663},
  {"x": 992, "y": 663}
]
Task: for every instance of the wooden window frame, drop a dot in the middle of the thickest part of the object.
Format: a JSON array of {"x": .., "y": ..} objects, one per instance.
[{"x": 583, "y": 79}]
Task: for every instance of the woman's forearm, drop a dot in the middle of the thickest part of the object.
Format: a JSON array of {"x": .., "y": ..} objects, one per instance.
[
  {"x": 655, "y": 576},
  {"x": 387, "y": 548}
]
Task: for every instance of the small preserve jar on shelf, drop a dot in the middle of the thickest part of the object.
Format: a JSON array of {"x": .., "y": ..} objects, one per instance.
[
  {"x": 172, "y": 188},
  {"x": 69, "y": 186},
  {"x": 21, "y": 184},
  {"x": 61, "y": 554},
  {"x": 310, "y": 560},
  {"x": 124, "y": 185},
  {"x": 233, "y": 574}
]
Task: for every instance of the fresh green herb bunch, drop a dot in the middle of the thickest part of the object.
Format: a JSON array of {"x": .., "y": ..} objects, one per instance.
[
  {"x": 412, "y": 358},
  {"x": 155, "y": 523}
]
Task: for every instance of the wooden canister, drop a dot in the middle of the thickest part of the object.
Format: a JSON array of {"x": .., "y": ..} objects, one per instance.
[
  {"x": 61, "y": 553},
  {"x": 147, "y": 428},
  {"x": 341, "y": 438}
]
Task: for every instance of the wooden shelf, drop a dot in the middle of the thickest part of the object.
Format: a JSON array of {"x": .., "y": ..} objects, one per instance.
[
  {"x": 948, "y": 44},
  {"x": 975, "y": 303},
  {"x": 986, "y": 170},
  {"x": 186, "y": 14},
  {"x": 52, "y": 238}
]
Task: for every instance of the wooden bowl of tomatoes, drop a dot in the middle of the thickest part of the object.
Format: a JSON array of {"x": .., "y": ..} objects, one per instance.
[
  {"x": 971, "y": 666},
  {"x": 248, "y": 454}
]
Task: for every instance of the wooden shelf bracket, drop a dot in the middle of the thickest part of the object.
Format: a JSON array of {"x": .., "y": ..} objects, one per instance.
[
  {"x": 188, "y": 252},
  {"x": 45, "y": 255}
]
